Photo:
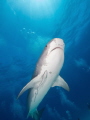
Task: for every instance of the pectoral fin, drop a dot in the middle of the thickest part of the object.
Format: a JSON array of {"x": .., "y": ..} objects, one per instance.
[
  {"x": 31, "y": 84},
  {"x": 61, "y": 83},
  {"x": 35, "y": 82}
]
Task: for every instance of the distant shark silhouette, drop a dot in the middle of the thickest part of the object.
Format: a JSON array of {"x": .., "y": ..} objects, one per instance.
[{"x": 46, "y": 75}]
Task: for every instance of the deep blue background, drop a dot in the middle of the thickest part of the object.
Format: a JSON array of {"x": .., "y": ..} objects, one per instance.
[{"x": 26, "y": 26}]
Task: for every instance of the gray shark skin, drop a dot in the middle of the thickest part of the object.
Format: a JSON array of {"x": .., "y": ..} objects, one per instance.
[{"x": 46, "y": 75}]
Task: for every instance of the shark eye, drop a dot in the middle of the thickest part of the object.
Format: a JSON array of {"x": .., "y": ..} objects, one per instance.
[{"x": 46, "y": 46}]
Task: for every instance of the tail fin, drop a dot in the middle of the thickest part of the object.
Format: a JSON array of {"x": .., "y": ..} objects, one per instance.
[
  {"x": 41, "y": 112},
  {"x": 37, "y": 114}
]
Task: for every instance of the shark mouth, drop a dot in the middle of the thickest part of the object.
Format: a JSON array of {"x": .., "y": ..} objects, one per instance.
[{"x": 56, "y": 48}]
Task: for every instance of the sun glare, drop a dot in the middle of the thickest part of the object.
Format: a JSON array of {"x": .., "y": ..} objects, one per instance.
[
  {"x": 37, "y": 8},
  {"x": 40, "y": 8}
]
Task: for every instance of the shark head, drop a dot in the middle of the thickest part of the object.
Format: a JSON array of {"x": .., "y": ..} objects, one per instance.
[{"x": 55, "y": 43}]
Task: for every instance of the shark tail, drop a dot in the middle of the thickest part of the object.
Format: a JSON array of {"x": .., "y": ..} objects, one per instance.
[{"x": 36, "y": 115}]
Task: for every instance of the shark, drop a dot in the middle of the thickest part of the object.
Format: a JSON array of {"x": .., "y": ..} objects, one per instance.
[{"x": 46, "y": 75}]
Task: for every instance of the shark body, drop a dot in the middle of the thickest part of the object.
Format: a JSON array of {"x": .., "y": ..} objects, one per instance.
[{"x": 46, "y": 75}]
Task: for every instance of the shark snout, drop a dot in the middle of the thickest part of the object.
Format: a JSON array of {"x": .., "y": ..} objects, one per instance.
[{"x": 59, "y": 42}]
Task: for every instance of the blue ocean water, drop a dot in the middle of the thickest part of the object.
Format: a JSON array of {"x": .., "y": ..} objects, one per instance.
[{"x": 26, "y": 26}]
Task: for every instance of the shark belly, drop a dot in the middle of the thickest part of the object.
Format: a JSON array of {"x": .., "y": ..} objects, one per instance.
[
  {"x": 38, "y": 94},
  {"x": 53, "y": 68}
]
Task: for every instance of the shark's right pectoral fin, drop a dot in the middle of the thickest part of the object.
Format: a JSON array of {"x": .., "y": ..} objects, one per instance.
[
  {"x": 31, "y": 84},
  {"x": 60, "y": 82},
  {"x": 35, "y": 82}
]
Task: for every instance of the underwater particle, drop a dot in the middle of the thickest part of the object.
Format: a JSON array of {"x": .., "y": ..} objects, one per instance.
[{"x": 23, "y": 28}]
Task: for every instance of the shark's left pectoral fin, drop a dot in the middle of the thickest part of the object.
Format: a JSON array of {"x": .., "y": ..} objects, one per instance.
[{"x": 61, "y": 83}]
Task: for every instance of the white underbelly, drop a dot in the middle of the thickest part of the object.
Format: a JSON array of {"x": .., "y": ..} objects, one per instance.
[
  {"x": 54, "y": 64},
  {"x": 40, "y": 92}
]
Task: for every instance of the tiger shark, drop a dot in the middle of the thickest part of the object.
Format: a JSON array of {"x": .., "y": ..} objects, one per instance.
[{"x": 46, "y": 75}]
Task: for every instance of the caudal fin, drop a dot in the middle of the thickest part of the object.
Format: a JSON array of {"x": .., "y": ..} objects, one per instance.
[{"x": 37, "y": 114}]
